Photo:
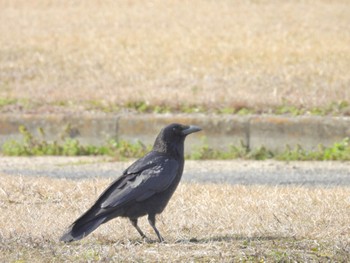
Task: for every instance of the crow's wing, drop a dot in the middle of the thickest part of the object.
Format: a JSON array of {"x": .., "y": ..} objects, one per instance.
[{"x": 144, "y": 178}]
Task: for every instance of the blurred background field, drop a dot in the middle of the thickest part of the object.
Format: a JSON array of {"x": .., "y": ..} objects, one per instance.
[{"x": 174, "y": 55}]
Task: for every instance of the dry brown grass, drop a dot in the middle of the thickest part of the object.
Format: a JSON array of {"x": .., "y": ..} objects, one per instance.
[
  {"x": 202, "y": 223},
  {"x": 222, "y": 53}
]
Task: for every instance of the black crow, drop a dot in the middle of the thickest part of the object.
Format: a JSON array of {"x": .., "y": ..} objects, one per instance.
[{"x": 143, "y": 189}]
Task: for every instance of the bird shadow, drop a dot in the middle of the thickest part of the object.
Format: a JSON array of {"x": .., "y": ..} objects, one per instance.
[
  {"x": 134, "y": 242},
  {"x": 199, "y": 240},
  {"x": 231, "y": 238}
]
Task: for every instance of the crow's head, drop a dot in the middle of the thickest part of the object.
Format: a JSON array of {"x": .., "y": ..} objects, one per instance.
[
  {"x": 172, "y": 137},
  {"x": 176, "y": 129}
]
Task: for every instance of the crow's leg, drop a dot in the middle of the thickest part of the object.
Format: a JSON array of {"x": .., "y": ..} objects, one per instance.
[
  {"x": 152, "y": 222},
  {"x": 134, "y": 223}
]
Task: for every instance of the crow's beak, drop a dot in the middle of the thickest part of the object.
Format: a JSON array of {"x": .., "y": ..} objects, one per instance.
[{"x": 191, "y": 129}]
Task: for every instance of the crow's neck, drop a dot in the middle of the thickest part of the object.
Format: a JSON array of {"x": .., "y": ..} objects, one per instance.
[{"x": 174, "y": 149}]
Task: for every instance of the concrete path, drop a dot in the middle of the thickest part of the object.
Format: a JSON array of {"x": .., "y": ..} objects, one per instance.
[{"x": 233, "y": 172}]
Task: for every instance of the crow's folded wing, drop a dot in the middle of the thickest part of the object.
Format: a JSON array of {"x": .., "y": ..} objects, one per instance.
[{"x": 154, "y": 176}]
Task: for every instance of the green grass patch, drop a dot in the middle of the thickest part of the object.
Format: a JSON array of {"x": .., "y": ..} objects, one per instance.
[
  {"x": 6, "y": 101},
  {"x": 339, "y": 151},
  {"x": 339, "y": 108},
  {"x": 31, "y": 145},
  {"x": 23, "y": 104}
]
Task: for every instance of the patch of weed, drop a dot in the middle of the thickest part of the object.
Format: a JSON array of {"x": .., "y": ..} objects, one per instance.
[
  {"x": 338, "y": 151},
  {"x": 205, "y": 152},
  {"x": 162, "y": 109},
  {"x": 289, "y": 109},
  {"x": 6, "y": 101},
  {"x": 245, "y": 111},
  {"x": 31, "y": 145},
  {"x": 39, "y": 146},
  {"x": 139, "y": 106},
  {"x": 102, "y": 106},
  {"x": 192, "y": 108},
  {"x": 261, "y": 153},
  {"x": 338, "y": 108},
  {"x": 226, "y": 110}
]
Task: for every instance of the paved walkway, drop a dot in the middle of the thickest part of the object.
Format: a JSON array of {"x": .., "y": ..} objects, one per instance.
[{"x": 233, "y": 172}]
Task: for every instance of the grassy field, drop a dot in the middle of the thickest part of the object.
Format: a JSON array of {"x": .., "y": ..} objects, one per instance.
[
  {"x": 203, "y": 223},
  {"x": 214, "y": 54}
]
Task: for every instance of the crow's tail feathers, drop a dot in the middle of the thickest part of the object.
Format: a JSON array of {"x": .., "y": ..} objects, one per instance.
[{"x": 81, "y": 228}]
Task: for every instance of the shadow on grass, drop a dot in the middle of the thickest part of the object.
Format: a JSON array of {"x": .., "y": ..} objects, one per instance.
[
  {"x": 133, "y": 241},
  {"x": 195, "y": 240},
  {"x": 231, "y": 238}
]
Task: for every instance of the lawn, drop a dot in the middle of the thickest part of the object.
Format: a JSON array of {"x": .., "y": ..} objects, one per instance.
[
  {"x": 173, "y": 54},
  {"x": 202, "y": 223}
]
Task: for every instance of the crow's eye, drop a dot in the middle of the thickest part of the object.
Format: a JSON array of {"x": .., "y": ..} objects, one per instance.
[{"x": 177, "y": 129}]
